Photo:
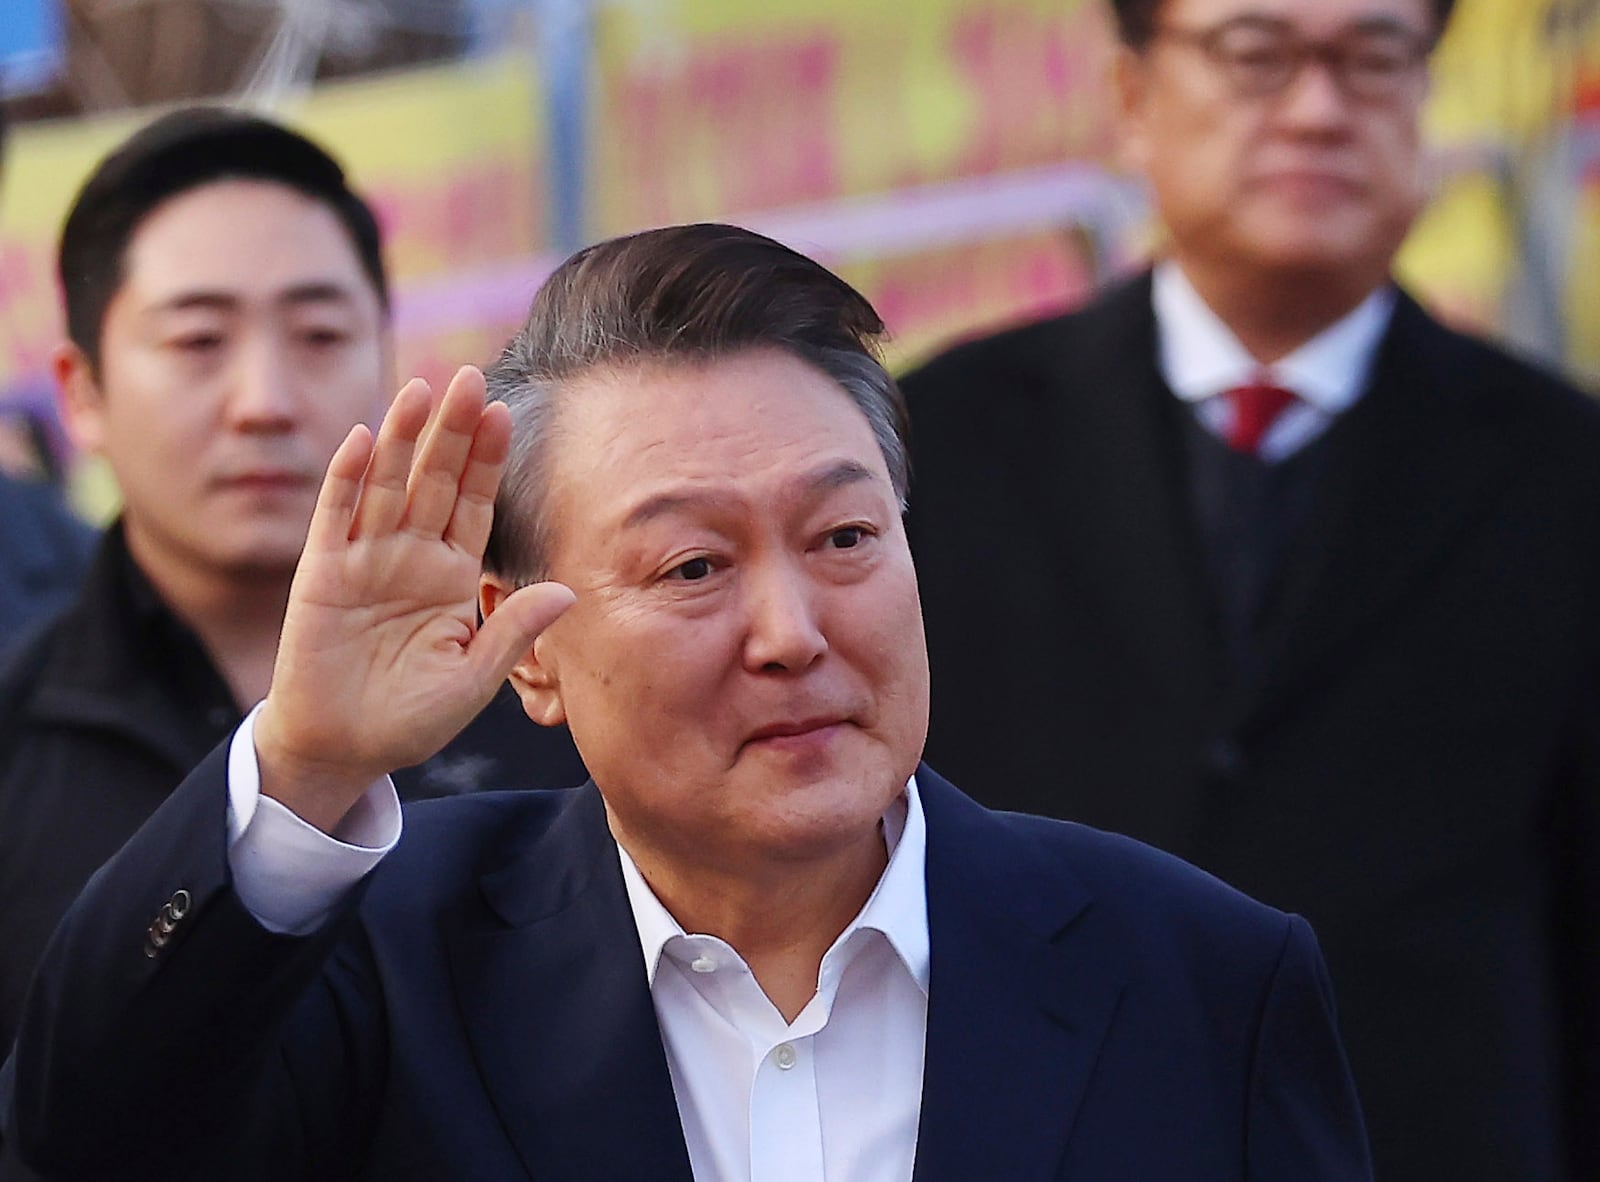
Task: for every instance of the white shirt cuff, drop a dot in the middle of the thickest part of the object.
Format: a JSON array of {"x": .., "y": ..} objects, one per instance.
[{"x": 288, "y": 873}]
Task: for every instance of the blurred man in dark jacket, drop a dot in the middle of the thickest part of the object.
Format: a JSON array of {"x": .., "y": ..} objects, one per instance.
[{"x": 228, "y": 319}]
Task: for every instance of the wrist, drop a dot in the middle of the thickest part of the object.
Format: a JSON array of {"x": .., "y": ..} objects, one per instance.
[{"x": 319, "y": 789}]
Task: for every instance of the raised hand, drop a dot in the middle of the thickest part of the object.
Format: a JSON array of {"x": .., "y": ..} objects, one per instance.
[{"x": 381, "y": 661}]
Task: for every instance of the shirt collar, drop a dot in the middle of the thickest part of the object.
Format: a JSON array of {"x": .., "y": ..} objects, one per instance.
[
  {"x": 1200, "y": 357},
  {"x": 897, "y": 908}
]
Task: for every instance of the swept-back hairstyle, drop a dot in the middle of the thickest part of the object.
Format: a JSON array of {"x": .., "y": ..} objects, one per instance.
[{"x": 687, "y": 294}]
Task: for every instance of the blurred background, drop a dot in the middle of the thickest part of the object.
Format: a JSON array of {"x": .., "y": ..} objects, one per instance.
[{"x": 950, "y": 157}]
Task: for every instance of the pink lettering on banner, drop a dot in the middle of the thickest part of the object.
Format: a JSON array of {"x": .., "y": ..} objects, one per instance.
[
  {"x": 480, "y": 213},
  {"x": 929, "y": 299},
  {"x": 1039, "y": 82},
  {"x": 30, "y": 317},
  {"x": 736, "y": 126},
  {"x": 1586, "y": 126},
  {"x": 437, "y": 356}
]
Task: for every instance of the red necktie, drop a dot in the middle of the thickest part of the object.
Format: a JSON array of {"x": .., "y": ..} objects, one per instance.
[{"x": 1255, "y": 408}]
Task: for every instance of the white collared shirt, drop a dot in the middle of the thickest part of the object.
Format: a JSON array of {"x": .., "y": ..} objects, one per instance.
[
  {"x": 836, "y": 1094},
  {"x": 1200, "y": 357}
]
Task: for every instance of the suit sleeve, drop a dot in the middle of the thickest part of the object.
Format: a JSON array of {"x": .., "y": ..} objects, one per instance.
[
  {"x": 1304, "y": 1119},
  {"x": 150, "y": 1044}
]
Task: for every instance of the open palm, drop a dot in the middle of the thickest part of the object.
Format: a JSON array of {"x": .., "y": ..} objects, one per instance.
[{"x": 381, "y": 661}]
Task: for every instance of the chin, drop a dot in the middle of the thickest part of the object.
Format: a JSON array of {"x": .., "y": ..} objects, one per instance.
[
  {"x": 1330, "y": 261},
  {"x": 270, "y": 556},
  {"x": 816, "y": 839},
  {"x": 1331, "y": 245},
  {"x": 827, "y": 816}
]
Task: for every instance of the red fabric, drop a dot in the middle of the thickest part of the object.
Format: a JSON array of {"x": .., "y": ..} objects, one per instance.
[{"x": 1255, "y": 409}]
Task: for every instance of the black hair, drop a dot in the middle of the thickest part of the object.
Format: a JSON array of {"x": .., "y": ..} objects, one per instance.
[
  {"x": 1136, "y": 19},
  {"x": 178, "y": 152}
]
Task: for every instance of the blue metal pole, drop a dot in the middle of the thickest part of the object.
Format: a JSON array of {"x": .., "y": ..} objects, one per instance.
[{"x": 566, "y": 51}]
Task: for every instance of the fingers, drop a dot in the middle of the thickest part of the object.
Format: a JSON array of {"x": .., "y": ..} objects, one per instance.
[
  {"x": 510, "y": 630},
  {"x": 340, "y": 491},
  {"x": 383, "y": 494},
  {"x": 435, "y": 466},
  {"x": 435, "y": 483},
  {"x": 474, "y": 507}
]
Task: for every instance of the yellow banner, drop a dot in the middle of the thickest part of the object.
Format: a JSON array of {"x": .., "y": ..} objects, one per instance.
[
  {"x": 953, "y": 158},
  {"x": 1511, "y": 245},
  {"x": 881, "y": 138}
]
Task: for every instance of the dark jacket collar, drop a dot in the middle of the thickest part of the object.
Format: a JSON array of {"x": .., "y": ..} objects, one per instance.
[{"x": 119, "y": 659}]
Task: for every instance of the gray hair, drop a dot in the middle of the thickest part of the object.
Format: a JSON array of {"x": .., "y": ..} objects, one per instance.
[{"x": 690, "y": 294}]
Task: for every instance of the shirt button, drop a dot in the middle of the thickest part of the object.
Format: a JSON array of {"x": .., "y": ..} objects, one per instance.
[
  {"x": 703, "y": 964},
  {"x": 784, "y": 1056}
]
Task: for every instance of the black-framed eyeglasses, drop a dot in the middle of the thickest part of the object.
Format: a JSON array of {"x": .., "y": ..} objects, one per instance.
[{"x": 1261, "y": 58}]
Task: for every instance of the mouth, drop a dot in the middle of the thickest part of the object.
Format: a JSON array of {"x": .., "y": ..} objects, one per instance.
[
  {"x": 797, "y": 733},
  {"x": 266, "y": 480},
  {"x": 1311, "y": 181}
]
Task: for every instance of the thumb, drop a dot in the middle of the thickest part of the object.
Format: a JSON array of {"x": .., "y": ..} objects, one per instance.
[{"x": 510, "y": 630}]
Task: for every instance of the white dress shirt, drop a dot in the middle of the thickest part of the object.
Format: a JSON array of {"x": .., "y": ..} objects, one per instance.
[
  {"x": 1200, "y": 358},
  {"x": 834, "y": 1096},
  {"x": 288, "y": 873}
]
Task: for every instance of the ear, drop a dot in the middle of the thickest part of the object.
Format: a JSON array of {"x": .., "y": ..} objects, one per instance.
[
  {"x": 1130, "y": 81},
  {"x": 534, "y": 675},
  {"x": 79, "y": 398}
]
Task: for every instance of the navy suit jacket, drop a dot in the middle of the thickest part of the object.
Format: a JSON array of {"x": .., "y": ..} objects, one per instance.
[
  {"x": 479, "y": 1009},
  {"x": 44, "y": 551}
]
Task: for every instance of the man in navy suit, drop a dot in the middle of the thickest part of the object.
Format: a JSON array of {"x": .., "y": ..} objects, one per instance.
[{"x": 764, "y": 941}]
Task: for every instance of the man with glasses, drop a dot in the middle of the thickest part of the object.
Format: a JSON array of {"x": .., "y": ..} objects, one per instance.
[{"x": 1254, "y": 560}]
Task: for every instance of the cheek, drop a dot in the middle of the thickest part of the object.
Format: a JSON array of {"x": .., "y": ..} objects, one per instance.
[
  {"x": 1197, "y": 176},
  {"x": 885, "y": 626},
  {"x": 146, "y": 428},
  {"x": 1403, "y": 158},
  {"x": 629, "y": 661}
]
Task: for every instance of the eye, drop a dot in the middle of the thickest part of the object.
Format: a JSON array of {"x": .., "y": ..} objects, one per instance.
[
  {"x": 1252, "y": 47},
  {"x": 323, "y": 337},
  {"x": 847, "y": 537},
  {"x": 198, "y": 342},
  {"x": 692, "y": 571},
  {"x": 1379, "y": 58}
]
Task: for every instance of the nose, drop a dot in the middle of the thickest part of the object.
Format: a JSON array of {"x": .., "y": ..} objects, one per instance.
[
  {"x": 263, "y": 397},
  {"x": 784, "y": 633},
  {"x": 1315, "y": 100}
]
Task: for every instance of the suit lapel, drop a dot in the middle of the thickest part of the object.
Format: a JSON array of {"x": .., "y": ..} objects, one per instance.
[
  {"x": 1417, "y": 462},
  {"x": 558, "y": 1012},
  {"x": 1113, "y": 467},
  {"x": 1019, "y": 1002}
]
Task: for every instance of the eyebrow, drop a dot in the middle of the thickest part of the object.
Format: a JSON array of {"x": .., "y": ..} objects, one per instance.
[
  {"x": 319, "y": 292},
  {"x": 814, "y": 485},
  {"x": 1371, "y": 23}
]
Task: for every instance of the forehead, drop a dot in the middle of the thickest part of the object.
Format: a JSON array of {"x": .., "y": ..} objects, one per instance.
[
  {"x": 1310, "y": 15},
  {"x": 744, "y": 424},
  {"x": 244, "y": 237}
]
